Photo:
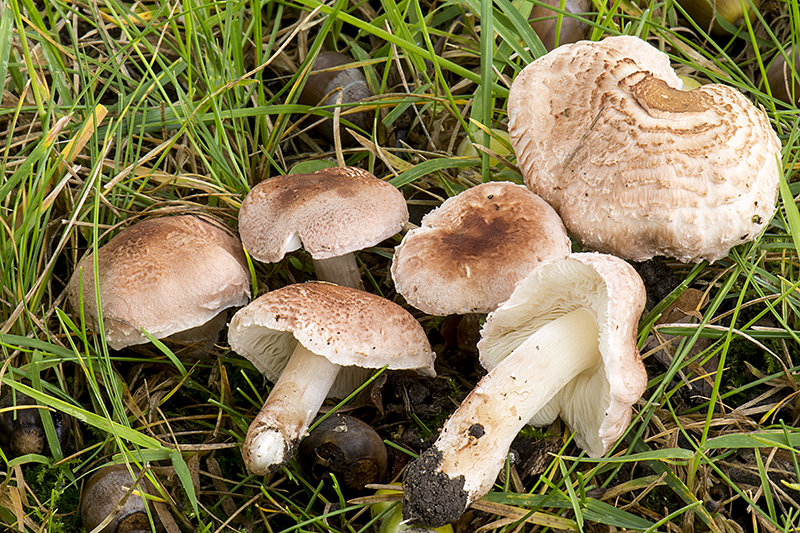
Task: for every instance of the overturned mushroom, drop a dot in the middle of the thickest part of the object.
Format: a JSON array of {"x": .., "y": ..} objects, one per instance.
[
  {"x": 171, "y": 276},
  {"x": 563, "y": 345},
  {"x": 636, "y": 167},
  {"x": 314, "y": 330},
  {"x": 332, "y": 213}
]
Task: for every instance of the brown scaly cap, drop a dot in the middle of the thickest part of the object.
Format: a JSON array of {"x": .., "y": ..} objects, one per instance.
[
  {"x": 166, "y": 275},
  {"x": 471, "y": 251},
  {"x": 347, "y": 326},
  {"x": 636, "y": 167},
  {"x": 330, "y": 212}
]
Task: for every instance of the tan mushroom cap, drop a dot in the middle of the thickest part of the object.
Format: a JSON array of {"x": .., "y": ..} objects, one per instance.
[
  {"x": 164, "y": 275},
  {"x": 636, "y": 167},
  {"x": 597, "y": 404},
  {"x": 471, "y": 251},
  {"x": 347, "y": 326},
  {"x": 330, "y": 213}
]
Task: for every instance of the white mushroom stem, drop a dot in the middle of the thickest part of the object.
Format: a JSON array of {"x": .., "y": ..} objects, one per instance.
[
  {"x": 291, "y": 406},
  {"x": 342, "y": 270},
  {"x": 474, "y": 442}
]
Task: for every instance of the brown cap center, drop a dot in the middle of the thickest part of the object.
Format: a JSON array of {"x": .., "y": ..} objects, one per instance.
[{"x": 653, "y": 94}]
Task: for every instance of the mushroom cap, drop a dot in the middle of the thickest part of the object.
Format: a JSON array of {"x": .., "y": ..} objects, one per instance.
[
  {"x": 331, "y": 212},
  {"x": 596, "y": 405},
  {"x": 164, "y": 275},
  {"x": 347, "y": 326},
  {"x": 470, "y": 252},
  {"x": 635, "y": 166}
]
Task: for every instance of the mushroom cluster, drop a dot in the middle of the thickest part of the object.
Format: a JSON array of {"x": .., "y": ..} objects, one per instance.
[{"x": 636, "y": 168}]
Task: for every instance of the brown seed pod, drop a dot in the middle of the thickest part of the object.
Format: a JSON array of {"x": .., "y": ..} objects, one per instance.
[
  {"x": 706, "y": 13},
  {"x": 781, "y": 78},
  {"x": 21, "y": 430},
  {"x": 321, "y": 90},
  {"x": 103, "y": 492},
  {"x": 544, "y": 22},
  {"x": 346, "y": 447}
]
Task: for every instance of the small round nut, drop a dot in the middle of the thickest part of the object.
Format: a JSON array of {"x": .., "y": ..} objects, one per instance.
[{"x": 103, "y": 492}]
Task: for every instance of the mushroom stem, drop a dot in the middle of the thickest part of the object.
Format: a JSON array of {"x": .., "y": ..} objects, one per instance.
[
  {"x": 342, "y": 270},
  {"x": 291, "y": 406},
  {"x": 465, "y": 460}
]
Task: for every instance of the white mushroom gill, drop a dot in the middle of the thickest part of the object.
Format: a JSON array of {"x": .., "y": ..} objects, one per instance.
[
  {"x": 506, "y": 399},
  {"x": 291, "y": 406}
]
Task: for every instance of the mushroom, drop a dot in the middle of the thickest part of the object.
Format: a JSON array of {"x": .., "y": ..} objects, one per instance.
[
  {"x": 564, "y": 344},
  {"x": 326, "y": 81},
  {"x": 171, "y": 277},
  {"x": 636, "y": 167},
  {"x": 21, "y": 429},
  {"x": 320, "y": 328},
  {"x": 331, "y": 213},
  {"x": 109, "y": 492},
  {"x": 346, "y": 447},
  {"x": 470, "y": 252},
  {"x": 545, "y": 22}
]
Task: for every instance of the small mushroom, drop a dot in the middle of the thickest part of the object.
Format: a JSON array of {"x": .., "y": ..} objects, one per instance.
[
  {"x": 346, "y": 447},
  {"x": 21, "y": 429},
  {"x": 470, "y": 252},
  {"x": 545, "y": 22},
  {"x": 107, "y": 493},
  {"x": 327, "y": 80},
  {"x": 171, "y": 276},
  {"x": 306, "y": 333},
  {"x": 331, "y": 213},
  {"x": 564, "y": 344},
  {"x": 782, "y": 76},
  {"x": 636, "y": 167}
]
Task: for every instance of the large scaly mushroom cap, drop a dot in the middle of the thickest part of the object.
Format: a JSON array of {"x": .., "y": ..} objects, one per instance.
[{"x": 635, "y": 166}]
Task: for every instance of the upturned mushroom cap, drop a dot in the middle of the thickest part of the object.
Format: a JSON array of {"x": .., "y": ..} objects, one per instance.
[
  {"x": 471, "y": 251},
  {"x": 596, "y": 405},
  {"x": 164, "y": 275},
  {"x": 330, "y": 212},
  {"x": 635, "y": 166},
  {"x": 347, "y": 326}
]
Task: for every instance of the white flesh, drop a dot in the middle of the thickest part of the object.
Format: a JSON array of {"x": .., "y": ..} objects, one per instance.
[
  {"x": 511, "y": 394},
  {"x": 291, "y": 406}
]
